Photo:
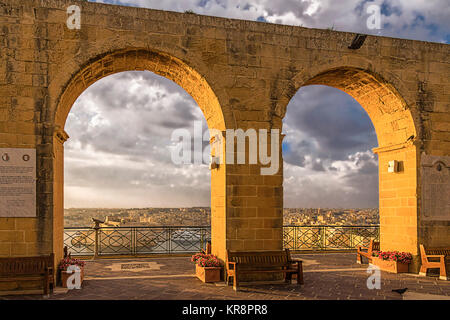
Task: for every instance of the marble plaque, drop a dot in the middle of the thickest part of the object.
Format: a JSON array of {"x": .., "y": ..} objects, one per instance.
[
  {"x": 435, "y": 172},
  {"x": 17, "y": 182}
]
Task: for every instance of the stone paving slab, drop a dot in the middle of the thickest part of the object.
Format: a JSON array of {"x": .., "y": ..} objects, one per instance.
[{"x": 328, "y": 276}]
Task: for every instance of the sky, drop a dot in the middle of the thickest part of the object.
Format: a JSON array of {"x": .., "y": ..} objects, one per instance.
[{"x": 119, "y": 151}]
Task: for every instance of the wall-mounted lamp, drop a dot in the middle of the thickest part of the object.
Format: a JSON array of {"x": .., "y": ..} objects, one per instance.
[
  {"x": 393, "y": 166},
  {"x": 358, "y": 41},
  {"x": 213, "y": 164}
]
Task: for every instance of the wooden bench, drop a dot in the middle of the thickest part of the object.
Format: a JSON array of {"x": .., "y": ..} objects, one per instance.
[
  {"x": 29, "y": 268},
  {"x": 239, "y": 262},
  {"x": 435, "y": 258},
  {"x": 373, "y": 246}
]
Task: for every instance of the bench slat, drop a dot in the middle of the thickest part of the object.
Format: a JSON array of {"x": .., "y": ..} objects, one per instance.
[
  {"x": 14, "y": 278},
  {"x": 267, "y": 271}
]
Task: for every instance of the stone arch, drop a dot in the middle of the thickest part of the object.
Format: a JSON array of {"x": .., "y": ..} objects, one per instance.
[
  {"x": 143, "y": 60},
  {"x": 394, "y": 122},
  {"x": 381, "y": 94},
  {"x": 131, "y": 59}
]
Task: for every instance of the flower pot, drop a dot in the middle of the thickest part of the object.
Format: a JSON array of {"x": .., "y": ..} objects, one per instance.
[
  {"x": 65, "y": 276},
  {"x": 208, "y": 274},
  {"x": 390, "y": 265}
]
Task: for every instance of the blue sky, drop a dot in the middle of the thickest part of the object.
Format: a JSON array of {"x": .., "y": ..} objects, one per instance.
[{"x": 118, "y": 154}]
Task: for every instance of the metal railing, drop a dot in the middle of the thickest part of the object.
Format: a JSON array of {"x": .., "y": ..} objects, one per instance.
[
  {"x": 147, "y": 240},
  {"x": 319, "y": 238},
  {"x": 135, "y": 240}
]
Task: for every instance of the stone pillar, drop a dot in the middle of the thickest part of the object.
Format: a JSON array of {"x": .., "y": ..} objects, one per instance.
[
  {"x": 218, "y": 204},
  {"x": 252, "y": 216},
  {"x": 60, "y": 136},
  {"x": 398, "y": 200}
]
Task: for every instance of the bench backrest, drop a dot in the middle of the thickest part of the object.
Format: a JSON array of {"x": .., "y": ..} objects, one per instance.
[
  {"x": 259, "y": 258},
  {"x": 26, "y": 265},
  {"x": 375, "y": 245}
]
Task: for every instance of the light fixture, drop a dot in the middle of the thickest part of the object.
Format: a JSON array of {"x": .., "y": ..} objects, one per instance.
[
  {"x": 213, "y": 164},
  {"x": 357, "y": 42},
  {"x": 393, "y": 166}
]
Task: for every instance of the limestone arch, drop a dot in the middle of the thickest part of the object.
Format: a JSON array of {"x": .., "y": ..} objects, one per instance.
[
  {"x": 382, "y": 95},
  {"x": 396, "y": 130},
  {"x": 131, "y": 59},
  {"x": 141, "y": 59}
]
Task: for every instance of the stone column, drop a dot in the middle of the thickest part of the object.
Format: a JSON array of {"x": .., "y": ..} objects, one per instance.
[
  {"x": 398, "y": 200},
  {"x": 60, "y": 136},
  {"x": 252, "y": 216}
]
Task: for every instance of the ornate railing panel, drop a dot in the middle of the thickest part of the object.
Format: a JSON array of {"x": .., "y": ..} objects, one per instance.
[
  {"x": 80, "y": 241},
  {"x": 148, "y": 240},
  {"x": 328, "y": 237},
  {"x": 116, "y": 241},
  {"x": 189, "y": 240},
  {"x": 152, "y": 240}
]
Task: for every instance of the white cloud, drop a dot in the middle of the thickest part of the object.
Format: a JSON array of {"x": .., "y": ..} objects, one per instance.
[
  {"x": 118, "y": 153},
  {"x": 350, "y": 185}
]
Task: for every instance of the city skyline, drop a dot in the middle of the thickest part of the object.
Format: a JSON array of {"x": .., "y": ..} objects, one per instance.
[{"x": 201, "y": 216}]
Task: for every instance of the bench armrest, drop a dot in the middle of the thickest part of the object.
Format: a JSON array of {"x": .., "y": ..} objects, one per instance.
[{"x": 440, "y": 256}]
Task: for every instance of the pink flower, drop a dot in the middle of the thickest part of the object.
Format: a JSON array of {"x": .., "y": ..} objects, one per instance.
[
  {"x": 402, "y": 257},
  {"x": 206, "y": 260}
]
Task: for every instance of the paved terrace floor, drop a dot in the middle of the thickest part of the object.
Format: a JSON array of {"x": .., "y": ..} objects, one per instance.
[{"x": 327, "y": 276}]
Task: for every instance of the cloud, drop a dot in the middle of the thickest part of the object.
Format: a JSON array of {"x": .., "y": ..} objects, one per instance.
[
  {"x": 351, "y": 183},
  {"x": 328, "y": 162},
  {"x": 325, "y": 123},
  {"x": 120, "y": 137}
]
